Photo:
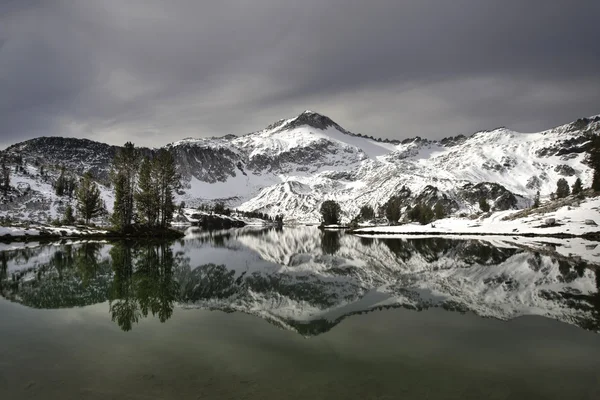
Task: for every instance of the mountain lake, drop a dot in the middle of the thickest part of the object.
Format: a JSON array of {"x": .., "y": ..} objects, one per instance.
[{"x": 298, "y": 313}]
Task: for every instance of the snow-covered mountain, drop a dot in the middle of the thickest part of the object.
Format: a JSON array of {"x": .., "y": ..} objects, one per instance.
[{"x": 295, "y": 164}]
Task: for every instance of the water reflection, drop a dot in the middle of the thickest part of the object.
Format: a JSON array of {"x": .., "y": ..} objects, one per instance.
[
  {"x": 143, "y": 283},
  {"x": 330, "y": 242},
  {"x": 302, "y": 279}
]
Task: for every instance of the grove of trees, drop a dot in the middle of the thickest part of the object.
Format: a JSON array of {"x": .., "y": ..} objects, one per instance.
[
  {"x": 392, "y": 209},
  {"x": 65, "y": 184},
  {"x": 421, "y": 213},
  {"x": 367, "y": 213},
  {"x": 144, "y": 188},
  {"x": 330, "y": 212}
]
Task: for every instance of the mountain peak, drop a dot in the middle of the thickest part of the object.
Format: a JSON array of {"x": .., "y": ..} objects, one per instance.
[{"x": 313, "y": 119}]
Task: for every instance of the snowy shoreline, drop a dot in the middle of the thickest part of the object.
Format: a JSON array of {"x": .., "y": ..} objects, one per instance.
[
  {"x": 567, "y": 222},
  {"x": 37, "y": 233}
]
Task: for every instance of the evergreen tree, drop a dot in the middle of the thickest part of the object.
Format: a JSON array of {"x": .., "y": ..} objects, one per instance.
[
  {"x": 536, "y": 200},
  {"x": 367, "y": 213},
  {"x": 562, "y": 188},
  {"x": 169, "y": 182},
  {"x": 5, "y": 183},
  {"x": 119, "y": 185},
  {"x": 59, "y": 185},
  {"x": 330, "y": 212},
  {"x": 71, "y": 186},
  {"x": 484, "y": 205},
  {"x": 89, "y": 202},
  {"x": 420, "y": 213},
  {"x": 123, "y": 176},
  {"x": 219, "y": 208},
  {"x": 577, "y": 188},
  {"x": 392, "y": 209},
  {"x": 439, "y": 211},
  {"x": 594, "y": 159},
  {"x": 147, "y": 195},
  {"x": 69, "y": 218},
  {"x": 279, "y": 219}
]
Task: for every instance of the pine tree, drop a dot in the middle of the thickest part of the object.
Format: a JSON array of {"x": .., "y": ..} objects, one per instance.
[
  {"x": 69, "y": 218},
  {"x": 392, "y": 210},
  {"x": 5, "y": 178},
  {"x": 219, "y": 208},
  {"x": 577, "y": 188},
  {"x": 147, "y": 195},
  {"x": 594, "y": 159},
  {"x": 484, "y": 205},
  {"x": 536, "y": 200},
  {"x": 420, "y": 213},
  {"x": 123, "y": 176},
  {"x": 439, "y": 211},
  {"x": 70, "y": 186},
  {"x": 367, "y": 213},
  {"x": 89, "y": 202},
  {"x": 562, "y": 188},
  {"x": 169, "y": 182},
  {"x": 59, "y": 185},
  {"x": 330, "y": 212}
]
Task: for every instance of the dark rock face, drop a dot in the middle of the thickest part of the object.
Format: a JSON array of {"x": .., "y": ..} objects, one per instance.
[
  {"x": 583, "y": 124},
  {"x": 309, "y": 156},
  {"x": 565, "y": 170},
  {"x": 493, "y": 166},
  {"x": 313, "y": 119},
  {"x": 207, "y": 164},
  {"x": 77, "y": 155},
  {"x": 502, "y": 198},
  {"x": 453, "y": 141},
  {"x": 431, "y": 196},
  {"x": 574, "y": 145},
  {"x": 534, "y": 183}
]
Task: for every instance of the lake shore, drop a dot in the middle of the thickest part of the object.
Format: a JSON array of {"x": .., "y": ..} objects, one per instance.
[
  {"x": 562, "y": 222},
  {"x": 42, "y": 233}
]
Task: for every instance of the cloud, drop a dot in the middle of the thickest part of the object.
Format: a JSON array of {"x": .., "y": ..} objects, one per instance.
[{"x": 155, "y": 71}]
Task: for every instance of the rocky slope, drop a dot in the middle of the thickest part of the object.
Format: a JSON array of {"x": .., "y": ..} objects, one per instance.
[{"x": 295, "y": 164}]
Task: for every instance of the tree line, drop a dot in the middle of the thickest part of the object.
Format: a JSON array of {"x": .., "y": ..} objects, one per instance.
[{"x": 144, "y": 188}]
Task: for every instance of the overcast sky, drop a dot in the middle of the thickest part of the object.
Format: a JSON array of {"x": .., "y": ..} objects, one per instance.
[{"x": 154, "y": 71}]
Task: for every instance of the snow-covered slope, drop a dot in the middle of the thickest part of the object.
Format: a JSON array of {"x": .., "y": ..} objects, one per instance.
[
  {"x": 295, "y": 164},
  {"x": 449, "y": 169},
  {"x": 576, "y": 217},
  {"x": 32, "y": 196}
]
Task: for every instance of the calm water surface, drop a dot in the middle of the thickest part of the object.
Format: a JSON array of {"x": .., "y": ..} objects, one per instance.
[{"x": 298, "y": 314}]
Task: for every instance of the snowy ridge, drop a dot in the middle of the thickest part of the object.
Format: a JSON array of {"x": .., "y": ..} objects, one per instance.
[{"x": 295, "y": 164}]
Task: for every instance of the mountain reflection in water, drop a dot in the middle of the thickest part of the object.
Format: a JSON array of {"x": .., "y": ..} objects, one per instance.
[{"x": 300, "y": 278}]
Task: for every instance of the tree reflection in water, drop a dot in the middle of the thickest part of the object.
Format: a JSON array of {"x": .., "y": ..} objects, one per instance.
[
  {"x": 143, "y": 283},
  {"x": 319, "y": 271},
  {"x": 330, "y": 242}
]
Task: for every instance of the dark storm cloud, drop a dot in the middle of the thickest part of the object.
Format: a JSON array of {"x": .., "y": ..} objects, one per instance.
[{"x": 155, "y": 71}]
